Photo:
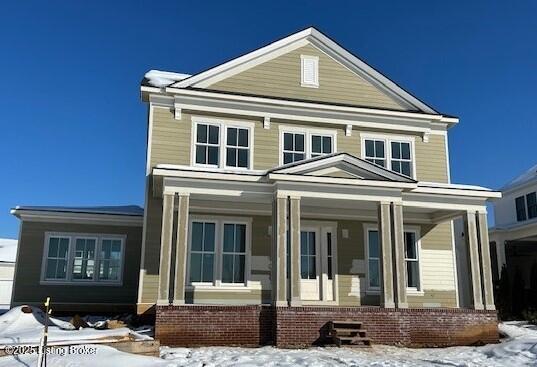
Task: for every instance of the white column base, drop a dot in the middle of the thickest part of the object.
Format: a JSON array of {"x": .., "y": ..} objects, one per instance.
[
  {"x": 389, "y": 305},
  {"x": 402, "y": 305},
  {"x": 479, "y": 306},
  {"x": 295, "y": 303},
  {"x": 178, "y": 302},
  {"x": 163, "y": 302},
  {"x": 490, "y": 307},
  {"x": 281, "y": 304}
]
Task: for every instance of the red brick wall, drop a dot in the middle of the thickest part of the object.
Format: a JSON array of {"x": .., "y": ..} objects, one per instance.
[
  {"x": 304, "y": 326},
  {"x": 192, "y": 325}
]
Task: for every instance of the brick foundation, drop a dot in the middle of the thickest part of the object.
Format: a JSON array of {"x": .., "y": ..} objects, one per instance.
[{"x": 193, "y": 325}]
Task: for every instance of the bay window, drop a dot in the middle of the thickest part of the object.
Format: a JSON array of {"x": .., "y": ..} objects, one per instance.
[{"x": 79, "y": 258}]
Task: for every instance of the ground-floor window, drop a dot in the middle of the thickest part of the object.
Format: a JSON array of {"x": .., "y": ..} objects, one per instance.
[
  {"x": 412, "y": 261},
  {"x": 83, "y": 258},
  {"x": 219, "y": 251}
]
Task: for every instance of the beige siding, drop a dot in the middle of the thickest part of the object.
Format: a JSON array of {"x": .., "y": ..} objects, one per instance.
[
  {"x": 280, "y": 77},
  {"x": 171, "y": 144},
  {"x": 27, "y": 288},
  {"x": 431, "y": 159}
]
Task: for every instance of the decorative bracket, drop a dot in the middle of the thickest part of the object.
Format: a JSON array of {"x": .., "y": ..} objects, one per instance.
[
  {"x": 425, "y": 137},
  {"x": 266, "y": 122},
  {"x": 178, "y": 114},
  {"x": 348, "y": 130}
]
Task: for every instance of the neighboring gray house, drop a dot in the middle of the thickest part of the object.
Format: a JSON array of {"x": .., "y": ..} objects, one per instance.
[
  {"x": 514, "y": 236},
  {"x": 8, "y": 254}
]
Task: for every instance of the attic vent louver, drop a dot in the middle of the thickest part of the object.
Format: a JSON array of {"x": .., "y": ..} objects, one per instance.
[{"x": 310, "y": 71}]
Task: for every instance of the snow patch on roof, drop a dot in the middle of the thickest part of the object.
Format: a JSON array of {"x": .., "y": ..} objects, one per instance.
[
  {"x": 527, "y": 176},
  {"x": 158, "y": 78},
  {"x": 133, "y": 210},
  {"x": 8, "y": 250}
]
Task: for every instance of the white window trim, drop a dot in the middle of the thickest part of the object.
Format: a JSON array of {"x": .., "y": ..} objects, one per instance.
[
  {"x": 308, "y": 132},
  {"x": 409, "y": 290},
  {"x": 388, "y": 139},
  {"x": 315, "y": 60},
  {"x": 70, "y": 258},
  {"x": 223, "y": 124},
  {"x": 219, "y": 242}
]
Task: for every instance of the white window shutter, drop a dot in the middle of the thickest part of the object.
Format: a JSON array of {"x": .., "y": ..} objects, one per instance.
[{"x": 310, "y": 71}]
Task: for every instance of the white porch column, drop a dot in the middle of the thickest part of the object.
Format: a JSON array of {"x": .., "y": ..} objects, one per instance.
[
  {"x": 385, "y": 252},
  {"x": 484, "y": 244},
  {"x": 399, "y": 253},
  {"x": 294, "y": 228},
  {"x": 470, "y": 235},
  {"x": 181, "y": 249},
  {"x": 279, "y": 251},
  {"x": 165, "y": 249}
]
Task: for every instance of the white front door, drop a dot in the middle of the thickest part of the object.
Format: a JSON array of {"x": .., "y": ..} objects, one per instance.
[{"x": 317, "y": 250}]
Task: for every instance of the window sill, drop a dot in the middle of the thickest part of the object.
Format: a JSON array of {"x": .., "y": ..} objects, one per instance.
[
  {"x": 221, "y": 288},
  {"x": 305, "y": 85}
]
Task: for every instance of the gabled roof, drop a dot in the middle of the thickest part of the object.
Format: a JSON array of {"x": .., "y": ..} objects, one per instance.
[
  {"x": 341, "y": 165},
  {"x": 322, "y": 42},
  {"x": 526, "y": 177}
]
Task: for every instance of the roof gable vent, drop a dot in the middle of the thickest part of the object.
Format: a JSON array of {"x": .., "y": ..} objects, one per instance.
[{"x": 310, "y": 71}]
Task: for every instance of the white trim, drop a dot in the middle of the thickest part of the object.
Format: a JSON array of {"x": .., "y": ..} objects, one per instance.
[
  {"x": 388, "y": 139},
  {"x": 315, "y": 82},
  {"x": 454, "y": 259},
  {"x": 417, "y": 234},
  {"x": 83, "y": 218},
  {"x": 223, "y": 124},
  {"x": 368, "y": 227},
  {"x": 72, "y": 236},
  {"x": 448, "y": 164},
  {"x": 219, "y": 222}
]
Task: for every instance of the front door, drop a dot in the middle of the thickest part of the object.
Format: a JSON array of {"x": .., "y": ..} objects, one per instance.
[{"x": 316, "y": 263}]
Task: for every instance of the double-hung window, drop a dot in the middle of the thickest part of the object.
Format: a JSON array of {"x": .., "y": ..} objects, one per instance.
[
  {"x": 218, "y": 252},
  {"x": 208, "y": 144},
  {"x": 531, "y": 201},
  {"x": 389, "y": 152},
  {"x": 294, "y": 147},
  {"x": 300, "y": 145},
  {"x": 412, "y": 261},
  {"x": 80, "y": 258},
  {"x": 222, "y": 143},
  {"x": 520, "y": 209},
  {"x": 411, "y": 253}
]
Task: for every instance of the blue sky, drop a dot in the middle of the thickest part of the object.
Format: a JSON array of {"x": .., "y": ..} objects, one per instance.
[{"x": 73, "y": 128}]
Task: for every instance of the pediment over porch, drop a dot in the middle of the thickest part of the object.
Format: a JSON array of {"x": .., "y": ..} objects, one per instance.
[{"x": 341, "y": 165}]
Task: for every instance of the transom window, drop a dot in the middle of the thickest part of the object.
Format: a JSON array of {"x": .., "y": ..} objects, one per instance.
[
  {"x": 299, "y": 145},
  {"x": 222, "y": 143},
  {"x": 411, "y": 260},
  {"x": 83, "y": 258},
  {"x": 394, "y": 154},
  {"x": 526, "y": 207},
  {"x": 219, "y": 250}
]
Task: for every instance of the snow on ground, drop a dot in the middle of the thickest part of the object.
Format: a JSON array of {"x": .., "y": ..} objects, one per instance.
[
  {"x": 18, "y": 327},
  {"x": 519, "y": 349}
]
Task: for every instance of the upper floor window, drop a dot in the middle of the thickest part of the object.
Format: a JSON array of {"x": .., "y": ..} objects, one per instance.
[
  {"x": 83, "y": 258},
  {"x": 526, "y": 207},
  {"x": 520, "y": 208},
  {"x": 392, "y": 153},
  {"x": 309, "y": 71},
  {"x": 299, "y": 145},
  {"x": 222, "y": 144}
]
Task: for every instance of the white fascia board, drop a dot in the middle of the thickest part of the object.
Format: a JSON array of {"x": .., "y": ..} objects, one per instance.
[
  {"x": 203, "y": 174},
  {"x": 339, "y": 181},
  {"x": 83, "y": 218},
  {"x": 458, "y": 190}
]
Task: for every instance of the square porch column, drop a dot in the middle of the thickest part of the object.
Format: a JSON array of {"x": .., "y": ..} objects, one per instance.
[
  {"x": 399, "y": 254},
  {"x": 385, "y": 252},
  {"x": 279, "y": 251},
  {"x": 294, "y": 229},
  {"x": 165, "y": 249},
  {"x": 470, "y": 231},
  {"x": 181, "y": 249},
  {"x": 486, "y": 269}
]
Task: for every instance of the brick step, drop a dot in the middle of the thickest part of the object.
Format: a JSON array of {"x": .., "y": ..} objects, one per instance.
[
  {"x": 347, "y": 322},
  {"x": 348, "y": 332}
]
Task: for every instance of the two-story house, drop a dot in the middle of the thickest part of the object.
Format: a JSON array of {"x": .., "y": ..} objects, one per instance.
[
  {"x": 514, "y": 235},
  {"x": 286, "y": 188}
]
